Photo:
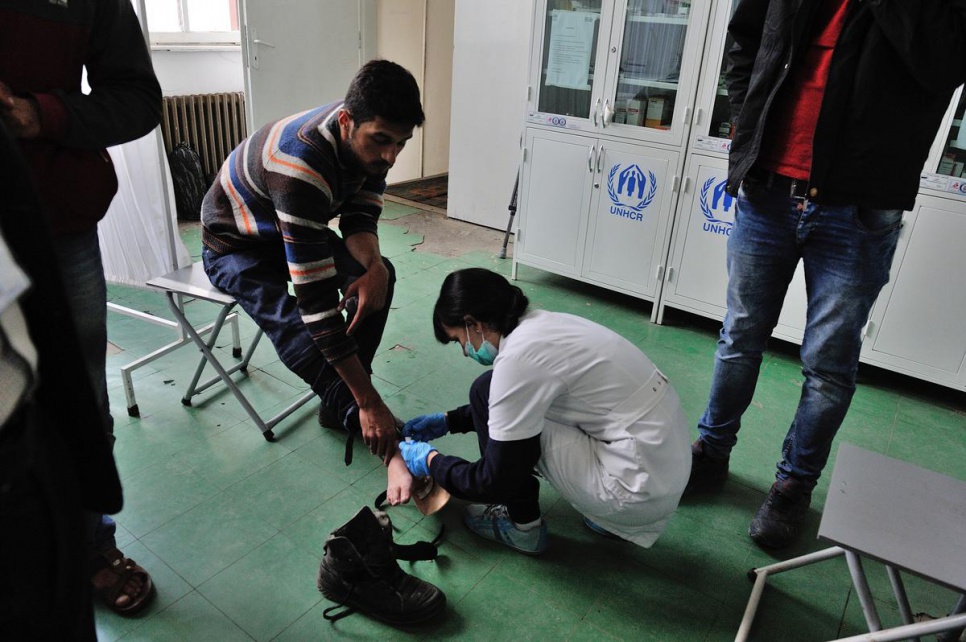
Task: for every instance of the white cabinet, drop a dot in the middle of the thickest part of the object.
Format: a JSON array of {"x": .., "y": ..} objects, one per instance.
[
  {"x": 917, "y": 323},
  {"x": 627, "y": 133},
  {"x": 609, "y": 110},
  {"x": 596, "y": 209}
]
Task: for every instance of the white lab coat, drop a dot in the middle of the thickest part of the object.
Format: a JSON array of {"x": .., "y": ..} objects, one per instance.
[{"x": 614, "y": 440}]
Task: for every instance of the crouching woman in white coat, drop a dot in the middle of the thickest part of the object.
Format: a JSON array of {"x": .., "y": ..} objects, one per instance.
[{"x": 568, "y": 399}]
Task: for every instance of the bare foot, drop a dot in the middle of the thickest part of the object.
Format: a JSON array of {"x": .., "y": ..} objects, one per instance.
[{"x": 400, "y": 485}]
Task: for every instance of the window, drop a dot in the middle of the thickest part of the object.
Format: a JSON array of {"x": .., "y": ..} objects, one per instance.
[{"x": 193, "y": 23}]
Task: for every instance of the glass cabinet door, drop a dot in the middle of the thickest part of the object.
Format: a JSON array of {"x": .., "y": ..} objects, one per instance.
[
  {"x": 649, "y": 67},
  {"x": 720, "y": 125},
  {"x": 953, "y": 159},
  {"x": 713, "y": 128},
  {"x": 568, "y": 63}
]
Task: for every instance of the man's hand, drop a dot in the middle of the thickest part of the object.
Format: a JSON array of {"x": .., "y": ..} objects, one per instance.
[
  {"x": 378, "y": 430},
  {"x": 20, "y": 115},
  {"x": 370, "y": 291}
]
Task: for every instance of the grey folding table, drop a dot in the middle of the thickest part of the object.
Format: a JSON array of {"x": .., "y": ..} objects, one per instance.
[{"x": 910, "y": 519}]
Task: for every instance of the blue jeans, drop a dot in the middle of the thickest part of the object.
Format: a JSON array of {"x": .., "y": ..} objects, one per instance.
[
  {"x": 79, "y": 258},
  {"x": 847, "y": 252},
  {"x": 258, "y": 279}
]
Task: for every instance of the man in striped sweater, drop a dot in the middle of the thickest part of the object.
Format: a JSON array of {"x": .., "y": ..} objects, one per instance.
[{"x": 265, "y": 223}]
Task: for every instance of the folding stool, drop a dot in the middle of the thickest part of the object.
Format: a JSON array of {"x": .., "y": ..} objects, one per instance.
[
  {"x": 906, "y": 517},
  {"x": 192, "y": 282}
]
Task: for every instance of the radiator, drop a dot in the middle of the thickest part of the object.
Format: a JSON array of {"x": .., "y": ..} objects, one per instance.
[{"x": 212, "y": 124}]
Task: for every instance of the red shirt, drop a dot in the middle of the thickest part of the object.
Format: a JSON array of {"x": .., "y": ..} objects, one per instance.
[{"x": 787, "y": 149}]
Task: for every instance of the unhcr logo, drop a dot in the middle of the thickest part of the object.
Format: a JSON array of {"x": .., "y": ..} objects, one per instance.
[
  {"x": 721, "y": 204},
  {"x": 630, "y": 191}
]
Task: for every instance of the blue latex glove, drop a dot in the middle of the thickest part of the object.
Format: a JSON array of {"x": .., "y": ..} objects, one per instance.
[
  {"x": 414, "y": 453},
  {"x": 426, "y": 427}
]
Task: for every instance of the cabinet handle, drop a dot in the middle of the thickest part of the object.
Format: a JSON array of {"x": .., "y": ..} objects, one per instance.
[
  {"x": 608, "y": 113},
  {"x": 590, "y": 158},
  {"x": 697, "y": 117},
  {"x": 687, "y": 184},
  {"x": 600, "y": 157},
  {"x": 676, "y": 183},
  {"x": 687, "y": 114},
  {"x": 596, "y": 109},
  {"x": 670, "y": 275},
  {"x": 660, "y": 273}
]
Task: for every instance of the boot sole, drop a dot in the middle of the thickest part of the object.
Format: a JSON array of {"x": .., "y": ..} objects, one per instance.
[{"x": 418, "y": 617}]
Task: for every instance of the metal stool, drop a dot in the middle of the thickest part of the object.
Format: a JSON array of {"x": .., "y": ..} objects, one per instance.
[
  {"x": 909, "y": 518},
  {"x": 192, "y": 282}
]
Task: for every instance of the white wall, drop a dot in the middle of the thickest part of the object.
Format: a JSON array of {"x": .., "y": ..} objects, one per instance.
[
  {"x": 438, "y": 88},
  {"x": 491, "y": 45},
  {"x": 401, "y": 38},
  {"x": 198, "y": 72}
]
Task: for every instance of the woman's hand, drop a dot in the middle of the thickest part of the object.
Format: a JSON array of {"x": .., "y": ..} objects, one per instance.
[
  {"x": 426, "y": 427},
  {"x": 416, "y": 455}
]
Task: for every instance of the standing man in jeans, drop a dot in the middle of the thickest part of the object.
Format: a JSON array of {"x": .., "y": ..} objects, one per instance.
[{"x": 835, "y": 105}]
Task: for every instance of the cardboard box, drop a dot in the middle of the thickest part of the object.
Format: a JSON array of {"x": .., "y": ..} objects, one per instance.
[
  {"x": 655, "y": 112},
  {"x": 946, "y": 165},
  {"x": 634, "y": 116}
]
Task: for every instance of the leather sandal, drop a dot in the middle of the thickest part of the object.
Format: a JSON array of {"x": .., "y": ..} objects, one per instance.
[{"x": 111, "y": 579}]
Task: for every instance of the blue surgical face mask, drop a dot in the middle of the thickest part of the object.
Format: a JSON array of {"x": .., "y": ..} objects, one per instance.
[{"x": 485, "y": 355}]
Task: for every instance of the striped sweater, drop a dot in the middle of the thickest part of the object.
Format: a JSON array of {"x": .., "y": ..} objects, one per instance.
[{"x": 279, "y": 189}]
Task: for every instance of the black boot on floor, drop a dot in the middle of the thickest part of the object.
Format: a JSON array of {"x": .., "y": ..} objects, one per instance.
[
  {"x": 360, "y": 572},
  {"x": 779, "y": 520}
]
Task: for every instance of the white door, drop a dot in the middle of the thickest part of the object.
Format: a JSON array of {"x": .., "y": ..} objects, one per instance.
[
  {"x": 697, "y": 278},
  {"x": 917, "y": 322},
  {"x": 555, "y": 197},
  {"x": 300, "y": 54},
  {"x": 628, "y": 226}
]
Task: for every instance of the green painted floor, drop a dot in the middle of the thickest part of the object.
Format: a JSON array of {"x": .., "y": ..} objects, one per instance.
[{"x": 231, "y": 527}]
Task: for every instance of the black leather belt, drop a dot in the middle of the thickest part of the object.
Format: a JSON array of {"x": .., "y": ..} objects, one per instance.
[{"x": 793, "y": 187}]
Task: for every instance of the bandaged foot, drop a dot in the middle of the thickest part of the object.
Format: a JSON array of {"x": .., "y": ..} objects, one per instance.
[{"x": 400, "y": 485}]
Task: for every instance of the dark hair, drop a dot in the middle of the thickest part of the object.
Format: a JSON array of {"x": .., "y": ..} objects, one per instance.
[
  {"x": 482, "y": 294},
  {"x": 384, "y": 89}
]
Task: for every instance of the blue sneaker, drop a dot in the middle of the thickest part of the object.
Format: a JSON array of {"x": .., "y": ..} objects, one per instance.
[
  {"x": 493, "y": 522},
  {"x": 600, "y": 530}
]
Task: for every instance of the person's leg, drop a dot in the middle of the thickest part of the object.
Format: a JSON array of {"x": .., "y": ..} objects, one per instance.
[
  {"x": 79, "y": 258},
  {"x": 847, "y": 254},
  {"x": 762, "y": 256},
  {"x": 259, "y": 281},
  {"x": 525, "y": 508},
  {"x": 368, "y": 335}
]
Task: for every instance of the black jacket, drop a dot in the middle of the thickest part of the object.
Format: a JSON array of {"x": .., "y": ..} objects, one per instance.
[
  {"x": 44, "y": 48},
  {"x": 893, "y": 72}
]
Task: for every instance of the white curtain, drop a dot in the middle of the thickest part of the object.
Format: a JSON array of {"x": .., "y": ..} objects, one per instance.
[{"x": 139, "y": 236}]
